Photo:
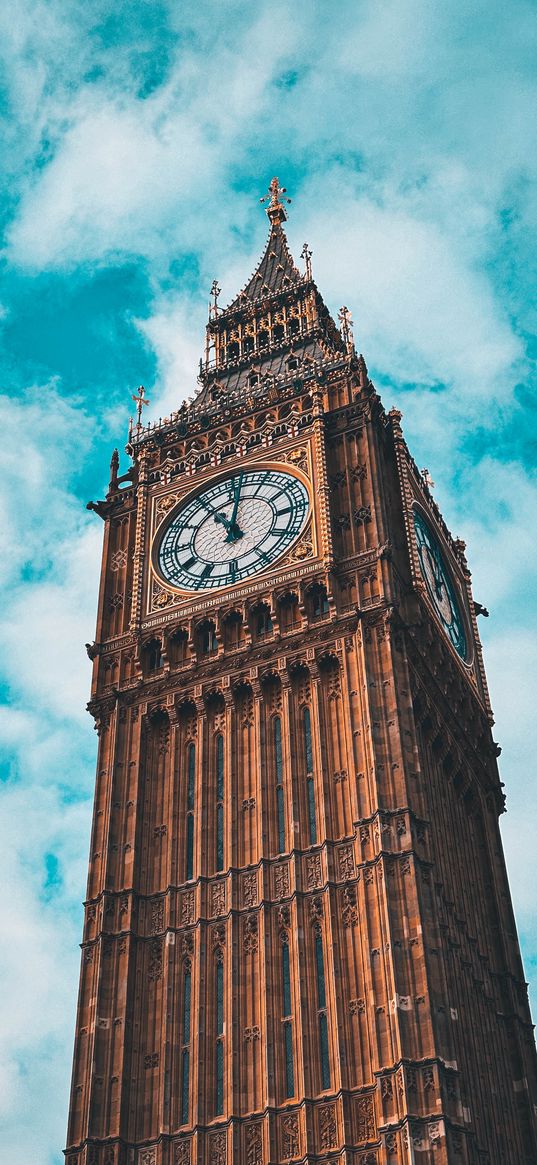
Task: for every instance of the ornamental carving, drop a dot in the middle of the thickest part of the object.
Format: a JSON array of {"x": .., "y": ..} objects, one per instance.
[
  {"x": 349, "y": 908},
  {"x": 218, "y": 898},
  {"x": 249, "y": 890},
  {"x": 367, "y": 1129},
  {"x": 181, "y": 1153},
  {"x": 157, "y": 916},
  {"x": 346, "y": 862},
  {"x": 217, "y": 1149},
  {"x": 155, "y": 959},
  {"x": 298, "y": 458},
  {"x": 250, "y": 941},
  {"x": 163, "y": 507},
  {"x": 313, "y": 871},
  {"x": 281, "y": 880},
  {"x": 254, "y": 1145},
  {"x": 316, "y": 910},
  {"x": 357, "y": 1006},
  {"x": 187, "y": 908},
  {"x": 328, "y": 1127},
  {"x": 290, "y": 1137},
  {"x": 147, "y": 1157},
  {"x": 302, "y": 549},
  {"x": 219, "y": 942}
]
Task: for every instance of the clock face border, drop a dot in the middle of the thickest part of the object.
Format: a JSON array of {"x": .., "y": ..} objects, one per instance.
[
  {"x": 159, "y": 531},
  {"x": 454, "y": 593}
]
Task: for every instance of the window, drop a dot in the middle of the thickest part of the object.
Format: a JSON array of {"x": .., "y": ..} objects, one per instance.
[
  {"x": 219, "y": 1039},
  {"x": 207, "y": 641},
  {"x": 185, "y": 1054},
  {"x": 219, "y": 748},
  {"x": 154, "y": 657},
  {"x": 190, "y": 794},
  {"x": 287, "y": 1024},
  {"x": 318, "y": 602},
  {"x": 278, "y": 333},
  {"x": 278, "y": 765},
  {"x": 321, "y": 1005},
  {"x": 263, "y": 621}
]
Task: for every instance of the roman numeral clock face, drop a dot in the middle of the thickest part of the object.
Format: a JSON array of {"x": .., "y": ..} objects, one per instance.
[
  {"x": 235, "y": 528},
  {"x": 439, "y": 585}
]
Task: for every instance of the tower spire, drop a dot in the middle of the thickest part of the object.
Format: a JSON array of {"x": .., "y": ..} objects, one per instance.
[{"x": 275, "y": 209}]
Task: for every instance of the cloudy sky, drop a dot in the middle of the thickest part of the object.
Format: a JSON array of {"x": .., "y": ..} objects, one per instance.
[{"x": 137, "y": 140}]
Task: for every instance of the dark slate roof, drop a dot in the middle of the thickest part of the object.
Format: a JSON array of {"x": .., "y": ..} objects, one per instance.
[{"x": 276, "y": 271}]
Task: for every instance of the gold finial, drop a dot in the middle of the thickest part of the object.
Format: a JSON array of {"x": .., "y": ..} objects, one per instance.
[
  {"x": 275, "y": 209},
  {"x": 140, "y": 402},
  {"x": 306, "y": 254},
  {"x": 215, "y": 292},
  {"x": 427, "y": 479},
  {"x": 345, "y": 319}
]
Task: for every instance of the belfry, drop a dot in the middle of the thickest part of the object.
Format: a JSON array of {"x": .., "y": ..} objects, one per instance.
[{"x": 299, "y": 944}]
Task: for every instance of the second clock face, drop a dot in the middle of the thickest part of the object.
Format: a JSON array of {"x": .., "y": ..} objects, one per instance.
[
  {"x": 233, "y": 529},
  {"x": 439, "y": 585}
]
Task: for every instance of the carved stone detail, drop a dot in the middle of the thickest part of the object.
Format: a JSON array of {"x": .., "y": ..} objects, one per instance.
[
  {"x": 290, "y": 1137},
  {"x": 313, "y": 871},
  {"x": 249, "y": 890},
  {"x": 367, "y": 1129},
  {"x": 254, "y": 1144},
  {"x": 328, "y": 1126},
  {"x": 217, "y": 1149},
  {"x": 281, "y": 880}
]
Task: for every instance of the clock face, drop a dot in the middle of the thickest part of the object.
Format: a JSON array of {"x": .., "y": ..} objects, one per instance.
[
  {"x": 439, "y": 585},
  {"x": 233, "y": 529}
]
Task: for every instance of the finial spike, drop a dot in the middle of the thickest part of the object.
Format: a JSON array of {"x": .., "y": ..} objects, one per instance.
[
  {"x": 345, "y": 319},
  {"x": 140, "y": 402},
  {"x": 275, "y": 208},
  {"x": 306, "y": 254}
]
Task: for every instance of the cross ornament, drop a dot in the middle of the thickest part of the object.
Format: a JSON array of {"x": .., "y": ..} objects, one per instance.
[
  {"x": 275, "y": 209},
  {"x": 215, "y": 292},
  {"x": 140, "y": 402}
]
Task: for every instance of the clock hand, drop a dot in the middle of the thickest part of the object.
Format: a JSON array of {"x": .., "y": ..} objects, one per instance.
[{"x": 234, "y": 530}]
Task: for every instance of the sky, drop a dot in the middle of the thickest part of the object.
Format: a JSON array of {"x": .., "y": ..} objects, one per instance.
[{"x": 137, "y": 141}]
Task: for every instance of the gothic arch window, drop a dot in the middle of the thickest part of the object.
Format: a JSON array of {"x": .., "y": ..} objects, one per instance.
[
  {"x": 262, "y": 338},
  {"x": 278, "y": 333},
  {"x": 317, "y": 602},
  {"x": 178, "y": 646},
  {"x": 232, "y": 351},
  {"x": 190, "y": 800},
  {"x": 310, "y": 779},
  {"x": 233, "y": 631},
  {"x": 321, "y": 1009},
  {"x": 278, "y": 773},
  {"x": 287, "y": 1021},
  {"x": 289, "y": 613},
  {"x": 219, "y": 770},
  {"x": 153, "y": 658},
  {"x": 185, "y": 1042},
  {"x": 206, "y": 641},
  {"x": 219, "y": 1051},
  {"x": 261, "y": 621},
  {"x": 248, "y": 344},
  {"x": 294, "y": 327}
]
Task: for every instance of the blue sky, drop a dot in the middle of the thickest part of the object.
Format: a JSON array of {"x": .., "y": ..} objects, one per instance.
[{"x": 137, "y": 142}]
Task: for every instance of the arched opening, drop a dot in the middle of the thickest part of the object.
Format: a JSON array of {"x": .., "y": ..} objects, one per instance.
[
  {"x": 289, "y": 613},
  {"x": 206, "y": 641},
  {"x": 317, "y": 602},
  {"x": 178, "y": 651},
  {"x": 261, "y": 621}
]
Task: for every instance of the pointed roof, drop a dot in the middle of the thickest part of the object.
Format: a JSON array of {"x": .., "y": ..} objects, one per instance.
[{"x": 275, "y": 271}]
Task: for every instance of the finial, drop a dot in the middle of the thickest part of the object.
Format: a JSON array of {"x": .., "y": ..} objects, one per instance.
[
  {"x": 114, "y": 466},
  {"x": 140, "y": 402},
  {"x": 275, "y": 209},
  {"x": 345, "y": 319},
  {"x": 306, "y": 254},
  {"x": 215, "y": 292},
  {"x": 427, "y": 478}
]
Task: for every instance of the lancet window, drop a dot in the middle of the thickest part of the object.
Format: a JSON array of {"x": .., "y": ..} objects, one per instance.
[
  {"x": 190, "y": 796},
  {"x": 219, "y": 764},
  {"x": 310, "y": 782},
  {"x": 278, "y": 769},
  {"x": 185, "y": 1043},
  {"x": 321, "y": 1008}
]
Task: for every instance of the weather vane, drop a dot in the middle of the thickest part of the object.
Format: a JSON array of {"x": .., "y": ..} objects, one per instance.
[
  {"x": 306, "y": 254},
  {"x": 275, "y": 208},
  {"x": 345, "y": 319},
  {"x": 140, "y": 402}
]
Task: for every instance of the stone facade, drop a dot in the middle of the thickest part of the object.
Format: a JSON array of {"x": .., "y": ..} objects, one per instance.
[{"x": 347, "y": 987}]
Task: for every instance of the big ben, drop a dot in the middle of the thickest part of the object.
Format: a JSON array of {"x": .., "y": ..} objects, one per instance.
[{"x": 299, "y": 944}]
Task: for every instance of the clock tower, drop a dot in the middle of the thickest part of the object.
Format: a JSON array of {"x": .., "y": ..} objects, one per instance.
[{"x": 299, "y": 944}]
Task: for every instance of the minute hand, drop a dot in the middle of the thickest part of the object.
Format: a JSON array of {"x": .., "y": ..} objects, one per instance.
[{"x": 233, "y": 528}]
